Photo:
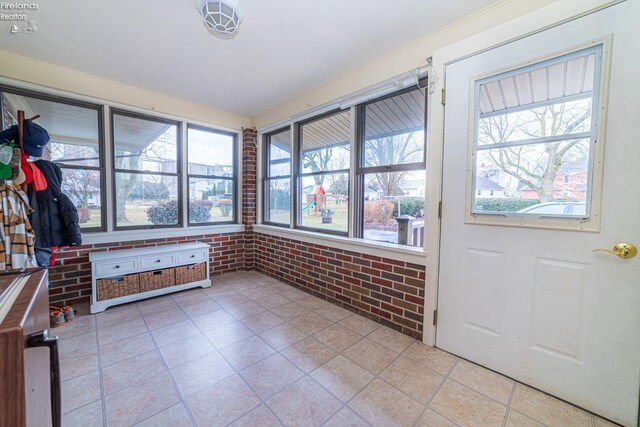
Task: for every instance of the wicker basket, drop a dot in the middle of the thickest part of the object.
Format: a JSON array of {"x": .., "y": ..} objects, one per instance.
[
  {"x": 157, "y": 279},
  {"x": 190, "y": 273},
  {"x": 114, "y": 287}
]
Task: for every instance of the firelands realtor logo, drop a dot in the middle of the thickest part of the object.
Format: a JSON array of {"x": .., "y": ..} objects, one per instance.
[{"x": 20, "y": 16}]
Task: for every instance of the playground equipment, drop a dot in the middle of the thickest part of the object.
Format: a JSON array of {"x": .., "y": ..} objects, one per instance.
[{"x": 309, "y": 206}]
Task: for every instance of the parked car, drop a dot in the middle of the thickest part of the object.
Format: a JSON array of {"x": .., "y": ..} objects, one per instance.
[{"x": 556, "y": 208}]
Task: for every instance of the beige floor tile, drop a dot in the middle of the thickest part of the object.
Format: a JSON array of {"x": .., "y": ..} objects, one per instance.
[
  {"x": 228, "y": 334},
  {"x": 393, "y": 340},
  {"x": 370, "y": 355},
  {"x": 293, "y": 294},
  {"x": 157, "y": 305},
  {"x": 342, "y": 377},
  {"x": 383, "y": 405},
  {"x": 82, "y": 325},
  {"x": 289, "y": 311},
  {"x": 466, "y": 407},
  {"x": 309, "y": 354},
  {"x": 126, "y": 348},
  {"x": 76, "y": 343},
  {"x": 262, "y": 322},
  {"x": 164, "y": 318},
  {"x": 181, "y": 352},
  {"x": 189, "y": 297},
  {"x": 483, "y": 381},
  {"x": 359, "y": 324},
  {"x": 79, "y": 363},
  {"x": 200, "y": 373},
  {"x": 213, "y": 320},
  {"x": 175, "y": 416},
  {"x": 516, "y": 419},
  {"x": 247, "y": 309},
  {"x": 311, "y": 302},
  {"x": 223, "y": 402},
  {"x": 547, "y": 409},
  {"x": 117, "y": 315},
  {"x": 271, "y": 375},
  {"x": 433, "y": 419},
  {"x": 139, "y": 402},
  {"x": 246, "y": 352},
  {"x": 132, "y": 371},
  {"x": 337, "y": 337},
  {"x": 310, "y": 323},
  {"x": 122, "y": 331},
  {"x": 333, "y": 312},
  {"x": 272, "y": 301},
  {"x": 259, "y": 417},
  {"x": 80, "y": 391},
  {"x": 230, "y": 299},
  {"x": 87, "y": 416},
  {"x": 346, "y": 418},
  {"x": 431, "y": 357},
  {"x": 601, "y": 422},
  {"x": 256, "y": 293},
  {"x": 283, "y": 336},
  {"x": 201, "y": 308},
  {"x": 176, "y": 332},
  {"x": 304, "y": 403},
  {"x": 413, "y": 379}
]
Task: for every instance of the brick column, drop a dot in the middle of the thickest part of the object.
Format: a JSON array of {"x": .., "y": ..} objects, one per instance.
[{"x": 249, "y": 191}]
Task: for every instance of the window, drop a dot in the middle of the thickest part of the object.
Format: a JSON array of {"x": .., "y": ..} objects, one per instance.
[
  {"x": 277, "y": 182},
  {"x": 146, "y": 171},
  {"x": 75, "y": 130},
  {"x": 211, "y": 156},
  {"x": 392, "y": 167},
  {"x": 534, "y": 139},
  {"x": 324, "y": 158}
]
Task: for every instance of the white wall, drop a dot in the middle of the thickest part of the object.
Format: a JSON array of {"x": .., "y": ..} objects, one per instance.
[{"x": 27, "y": 71}]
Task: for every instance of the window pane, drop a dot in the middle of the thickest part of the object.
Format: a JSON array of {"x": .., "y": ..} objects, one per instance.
[
  {"x": 145, "y": 145},
  {"x": 278, "y": 201},
  {"x": 389, "y": 195},
  {"x": 210, "y": 153},
  {"x": 324, "y": 201},
  {"x": 211, "y": 200},
  {"x": 280, "y": 154},
  {"x": 326, "y": 143},
  {"x": 74, "y": 131},
  {"x": 145, "y": 199},
  {"x": 394, "y": 130},
  {"x": 83, "y": 188},
  {"x": 513, "y": 179}
]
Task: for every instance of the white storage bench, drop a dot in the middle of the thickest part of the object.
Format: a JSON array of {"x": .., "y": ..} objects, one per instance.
[{"x": 118, "y": 277}]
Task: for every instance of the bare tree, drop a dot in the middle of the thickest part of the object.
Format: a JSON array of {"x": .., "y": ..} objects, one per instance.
[
  {"x": 393, "y": 150},
  {"x": 537, "y": 165}
]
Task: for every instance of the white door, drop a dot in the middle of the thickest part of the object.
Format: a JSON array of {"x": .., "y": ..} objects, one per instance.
[{"x": 534, "y": 302}]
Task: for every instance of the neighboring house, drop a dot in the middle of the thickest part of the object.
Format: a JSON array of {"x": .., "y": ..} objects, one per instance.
[
  {"x": 569, "y": 185},
  {"x": 413, "y": 187},
  {"x": 485, "y": 188}
]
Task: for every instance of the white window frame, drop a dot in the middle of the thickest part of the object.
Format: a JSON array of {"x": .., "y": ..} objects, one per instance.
[{"x": 591, "y": 220}]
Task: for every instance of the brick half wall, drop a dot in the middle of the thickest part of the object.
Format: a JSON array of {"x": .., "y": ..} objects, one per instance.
[
  {"x": 71, "y": 276},
  {"x": 385, "y": 290}
]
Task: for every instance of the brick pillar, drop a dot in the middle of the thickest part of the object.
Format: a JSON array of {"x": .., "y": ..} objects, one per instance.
[{"x": 249, "y": 189}]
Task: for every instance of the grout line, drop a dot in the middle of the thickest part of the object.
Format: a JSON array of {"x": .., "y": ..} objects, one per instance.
[
  {"x": 103, "y": 397},
  {"x": 506, "y": 413}
]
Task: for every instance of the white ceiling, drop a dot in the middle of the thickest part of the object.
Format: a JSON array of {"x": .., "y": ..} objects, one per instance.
[{"x": 285, "y": 47}]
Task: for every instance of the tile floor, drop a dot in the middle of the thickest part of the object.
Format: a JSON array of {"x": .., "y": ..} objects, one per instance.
[{"x": 252, "y": 351}]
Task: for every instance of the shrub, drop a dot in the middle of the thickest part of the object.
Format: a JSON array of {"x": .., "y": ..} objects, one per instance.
[
  {"x": 410, "y": 206},
  {"x": 167, "y": 212},
  {"x": 84, "y": 215},
  {"x": 503, "y": 205},
  {"x": 378, "y": 211}
]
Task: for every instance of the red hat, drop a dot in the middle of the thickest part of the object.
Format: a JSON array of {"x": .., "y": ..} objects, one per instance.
[{"x": 26, "y": 169}]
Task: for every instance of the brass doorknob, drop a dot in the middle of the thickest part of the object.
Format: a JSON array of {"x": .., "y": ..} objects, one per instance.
[{"x": 622, "y": 250}]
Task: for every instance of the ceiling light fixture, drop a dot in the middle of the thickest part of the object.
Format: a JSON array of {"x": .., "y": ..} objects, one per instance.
[{"x": 221, "y": 18}]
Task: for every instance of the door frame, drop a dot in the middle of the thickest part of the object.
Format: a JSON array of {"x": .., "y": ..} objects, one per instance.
[{"x": 524, "y": 26}]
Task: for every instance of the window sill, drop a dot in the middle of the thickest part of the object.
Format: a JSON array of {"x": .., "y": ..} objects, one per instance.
[
  {"x": 129, "y": 235},
  {"x": 385, "y": 250}
]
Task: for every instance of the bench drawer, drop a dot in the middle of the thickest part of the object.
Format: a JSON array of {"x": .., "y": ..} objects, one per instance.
[
  {"x": 117, "y": 267},
  {"x": 157, "y": 261},
  {"x": 198, "y": 255}
]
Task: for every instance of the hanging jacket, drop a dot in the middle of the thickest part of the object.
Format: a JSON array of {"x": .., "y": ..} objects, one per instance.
[
  {"x": 16, "y": 235},
  {"x": 56, "y": 222}
]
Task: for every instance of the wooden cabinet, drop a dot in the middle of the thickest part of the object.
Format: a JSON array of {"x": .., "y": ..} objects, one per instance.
[{"x": 29, "y": 371}]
